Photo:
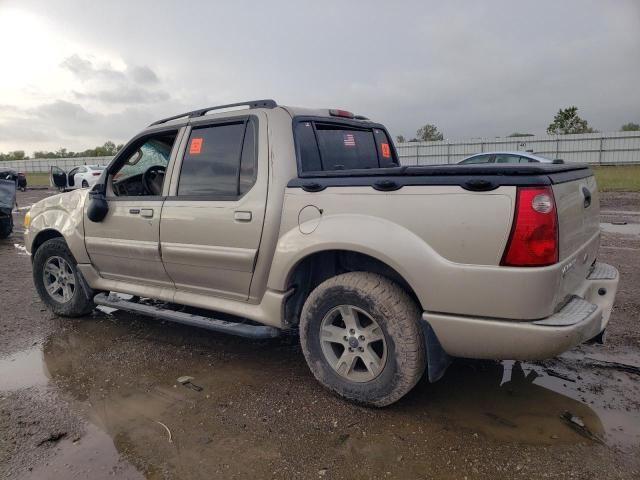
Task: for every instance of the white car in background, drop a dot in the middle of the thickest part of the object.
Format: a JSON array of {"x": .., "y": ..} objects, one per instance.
[
  {"x": 83, "y": 176},
  {"x": 507, "y": 157}
]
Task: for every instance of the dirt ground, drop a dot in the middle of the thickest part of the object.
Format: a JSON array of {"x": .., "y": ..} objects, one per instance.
[{"x": 97, "y": 397}]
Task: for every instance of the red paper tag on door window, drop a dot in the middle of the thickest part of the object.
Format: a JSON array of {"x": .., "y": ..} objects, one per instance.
[
  {"x": 386, "y": 151},
  {"x": 196, "y": 146}
]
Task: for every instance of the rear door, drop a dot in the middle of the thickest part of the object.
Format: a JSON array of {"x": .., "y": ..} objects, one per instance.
[{"x": 212, "y": 220}]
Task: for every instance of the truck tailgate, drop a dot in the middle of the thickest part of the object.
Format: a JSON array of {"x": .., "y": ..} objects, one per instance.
[{"x": 578, "y": 208}]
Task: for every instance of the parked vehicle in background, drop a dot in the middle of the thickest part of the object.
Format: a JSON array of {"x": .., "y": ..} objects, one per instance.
[
  {"x": 83, "y": 176},
  {"x": 18, "y": 177},
  {"x": 298, "y": 218},
  {"x": 506, "y": 157},
  {"x": 7, "y": 203}
]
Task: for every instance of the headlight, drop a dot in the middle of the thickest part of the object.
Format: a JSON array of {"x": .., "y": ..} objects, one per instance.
[{"x": 27, "y": 220}]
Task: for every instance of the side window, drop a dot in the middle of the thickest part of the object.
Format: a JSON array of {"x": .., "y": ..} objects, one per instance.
[
  {"x": 143, "y": 170},
  {"x": 74, "y": 171},
  {"x": 505, "y": 158},
  {"x": 528, "y": 160},
  {"x": 249, "y": 159},
  {"x": 220, "y": 161},
  {"x": 308, "y": 152},
  {"x": 477, "y": 159}
]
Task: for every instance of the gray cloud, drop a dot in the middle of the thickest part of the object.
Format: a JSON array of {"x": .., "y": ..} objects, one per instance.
[
  {"x": 143, "y": 75},
  {"x": 127, "y": 95},
  {"x": 108, "y": 85},
  {"x": 472, "y": 68}
]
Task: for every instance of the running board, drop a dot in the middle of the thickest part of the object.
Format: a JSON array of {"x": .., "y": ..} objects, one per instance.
[{"x": 233, "y": 328}]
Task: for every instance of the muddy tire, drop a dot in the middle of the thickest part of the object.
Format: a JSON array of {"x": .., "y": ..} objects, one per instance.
[
  {"x": 361, "y": 338},
  {"x": 58, "y": 281}
]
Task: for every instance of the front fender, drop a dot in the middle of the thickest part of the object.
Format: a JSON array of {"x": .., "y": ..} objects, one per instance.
[
  {"x": 393, "y": 244},
  {"x": 62, "y": 213}
]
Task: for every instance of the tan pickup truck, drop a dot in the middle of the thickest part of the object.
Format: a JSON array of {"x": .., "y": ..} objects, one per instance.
[{"x": 285, "y": 218}]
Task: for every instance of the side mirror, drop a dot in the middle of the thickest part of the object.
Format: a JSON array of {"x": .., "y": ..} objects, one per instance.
[{"x": 98, "y": 206}]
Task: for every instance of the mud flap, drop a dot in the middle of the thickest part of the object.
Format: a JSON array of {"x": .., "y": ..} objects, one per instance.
[{"x": 437, "y": 359}]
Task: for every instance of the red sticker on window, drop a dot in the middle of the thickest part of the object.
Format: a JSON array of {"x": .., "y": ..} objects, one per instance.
[
  {"x": 386, "y": 151},
  {"x": 196, "y": 146}
]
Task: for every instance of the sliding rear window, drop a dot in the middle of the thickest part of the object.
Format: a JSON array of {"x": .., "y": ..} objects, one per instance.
[{"x": 328, "y": 146}]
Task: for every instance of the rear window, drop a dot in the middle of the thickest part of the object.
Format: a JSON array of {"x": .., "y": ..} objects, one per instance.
[{"x": 328, "y": 146}]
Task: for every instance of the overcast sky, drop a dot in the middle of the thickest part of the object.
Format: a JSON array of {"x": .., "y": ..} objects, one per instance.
[{"x": 76, "y": 73}]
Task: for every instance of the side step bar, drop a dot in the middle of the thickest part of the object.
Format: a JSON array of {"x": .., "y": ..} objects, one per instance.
[{"x": 233, "y": 328}]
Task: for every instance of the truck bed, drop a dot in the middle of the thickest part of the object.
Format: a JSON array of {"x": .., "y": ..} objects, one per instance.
[{"x": 470, "y": 177}]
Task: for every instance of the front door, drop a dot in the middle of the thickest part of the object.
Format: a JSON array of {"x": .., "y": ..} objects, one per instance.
[
  {"x": 125, "y": 244},
  {"x": 212, "y": 220},
  {"x": 58, "y": 178}
]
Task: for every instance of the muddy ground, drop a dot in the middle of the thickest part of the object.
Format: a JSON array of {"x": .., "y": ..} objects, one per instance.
[{"x": 97, "y": 397}]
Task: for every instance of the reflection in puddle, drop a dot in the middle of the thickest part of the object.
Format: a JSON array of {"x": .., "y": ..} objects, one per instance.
[
  {"x": 260, "y": 406},
  {"x": 93, "y": 456}
]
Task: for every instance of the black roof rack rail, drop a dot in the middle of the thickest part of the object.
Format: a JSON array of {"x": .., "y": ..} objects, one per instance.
[{"x": 268, "y": 103}]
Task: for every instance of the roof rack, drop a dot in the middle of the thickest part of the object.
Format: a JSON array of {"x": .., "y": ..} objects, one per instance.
[{"x": 198, "y": 113}]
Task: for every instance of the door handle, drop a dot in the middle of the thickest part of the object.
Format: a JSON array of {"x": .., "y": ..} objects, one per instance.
[
  {"x": 242, "y": 216},
  {"x": 146, "y": 212},
  {"x": 134, "y": 211}
]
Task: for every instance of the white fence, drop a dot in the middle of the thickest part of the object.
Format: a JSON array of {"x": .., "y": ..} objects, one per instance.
[
  {"x": 618, "y": 148},
  {"x": 45, "y": 164}
]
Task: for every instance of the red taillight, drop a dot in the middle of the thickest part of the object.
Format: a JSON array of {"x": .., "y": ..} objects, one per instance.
[
  {"x": 96, "y": 174},
  {"x": 534, "y": 234},
  {"x": 341, "y": 113}
]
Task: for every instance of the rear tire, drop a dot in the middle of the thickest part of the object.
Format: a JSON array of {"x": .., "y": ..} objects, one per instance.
[
  {"x": 85, "y": 184},
  {"x": 6, "y": 227},
  {"x": 361, "y": 338},
  {"x": 58, "y": 281}
]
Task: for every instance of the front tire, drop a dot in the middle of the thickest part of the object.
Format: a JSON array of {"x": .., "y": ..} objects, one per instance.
[
  {"x": 58, "y": 281},
  {"x": 361, "y": 338}
]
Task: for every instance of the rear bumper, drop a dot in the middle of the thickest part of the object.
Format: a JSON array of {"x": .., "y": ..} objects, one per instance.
[{"x": 582, "y": 318}]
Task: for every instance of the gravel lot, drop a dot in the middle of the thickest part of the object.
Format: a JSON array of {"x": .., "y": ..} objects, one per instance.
[{"x": 97, "y": 397}]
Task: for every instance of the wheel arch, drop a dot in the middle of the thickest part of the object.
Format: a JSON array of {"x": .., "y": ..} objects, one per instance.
[
  {"x": 43, "y": 236},
  {"x": 317, "y": 266}
]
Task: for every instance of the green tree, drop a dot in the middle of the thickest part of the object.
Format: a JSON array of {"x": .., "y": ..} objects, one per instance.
[
  {"x": 630, "y": 127},
  {"x": 567, "y": 121},
  {"x": 518, "y": 134},
  {"x": 400, "y": 139},
  {"x": 429, "y": 133}
]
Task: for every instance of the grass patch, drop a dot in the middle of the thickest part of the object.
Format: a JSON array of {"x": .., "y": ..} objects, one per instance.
[
  {"x": 623, "y": 178},
  {"x": 37, "y": 179}
]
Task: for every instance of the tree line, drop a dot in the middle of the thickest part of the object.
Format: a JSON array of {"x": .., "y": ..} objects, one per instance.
[
  {"x": 108, "y": 149},
  {"x": 565, "y": 122}
]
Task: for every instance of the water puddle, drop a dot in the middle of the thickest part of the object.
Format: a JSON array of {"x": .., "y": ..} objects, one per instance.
[
  {"x": 93, "y": 456},
  {"x": 256, "y": 403},
  {"x": 22, "y": 370},
  {"x": 626, "y": 229},
  {"x": 21, "y": 249}
]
